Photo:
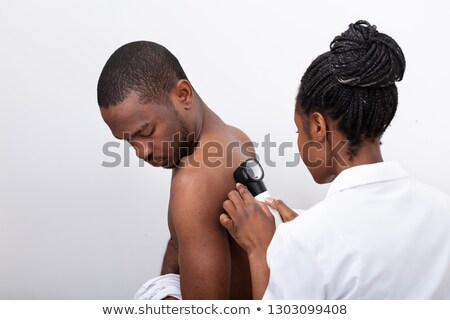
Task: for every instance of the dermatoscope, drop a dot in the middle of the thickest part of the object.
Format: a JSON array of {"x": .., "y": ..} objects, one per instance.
[{"x": 250, "y": 173}]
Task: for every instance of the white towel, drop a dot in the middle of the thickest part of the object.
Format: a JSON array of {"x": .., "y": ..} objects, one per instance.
[{"x": 160, "y": 287}]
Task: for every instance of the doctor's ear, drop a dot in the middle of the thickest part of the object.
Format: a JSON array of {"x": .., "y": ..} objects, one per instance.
[
  {"x": 182, "y": 94},
  {"x": 318, "y": 126}
]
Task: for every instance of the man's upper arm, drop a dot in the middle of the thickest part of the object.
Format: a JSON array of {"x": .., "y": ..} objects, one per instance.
[{"x": 203, "y": 248}]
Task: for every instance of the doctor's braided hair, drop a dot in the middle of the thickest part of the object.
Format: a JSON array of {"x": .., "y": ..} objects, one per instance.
[{"x": 354, "y": 83}]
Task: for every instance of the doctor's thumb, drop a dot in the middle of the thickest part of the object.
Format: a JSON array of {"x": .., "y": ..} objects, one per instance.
[{"x": 287, "y": 214}]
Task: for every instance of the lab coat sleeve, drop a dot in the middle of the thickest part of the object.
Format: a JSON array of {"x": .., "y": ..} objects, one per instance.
[{"x": 294, "y": 272}]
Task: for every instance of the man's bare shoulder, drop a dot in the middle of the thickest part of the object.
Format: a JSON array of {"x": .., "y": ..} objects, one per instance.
[
  {"x": 199, "y": 180},
  {"x": 228, "y": 134},
  {"x": 206, "y": 176},
  {"x": 219, "y": 151},
  {"x": 239, "y": 133},
  {"x": 246, "y": 147}
]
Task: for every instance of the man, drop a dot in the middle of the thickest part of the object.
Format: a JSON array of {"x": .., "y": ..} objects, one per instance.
[{"x": 146, "y": 99}]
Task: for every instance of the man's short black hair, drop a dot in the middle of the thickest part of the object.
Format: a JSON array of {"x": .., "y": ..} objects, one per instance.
[{"x": 142, "y": 66}]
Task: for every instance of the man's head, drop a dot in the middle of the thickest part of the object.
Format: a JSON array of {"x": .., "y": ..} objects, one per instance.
[
  {"x": 142, "y": 66},
  {"x": 146, "y": 99}
]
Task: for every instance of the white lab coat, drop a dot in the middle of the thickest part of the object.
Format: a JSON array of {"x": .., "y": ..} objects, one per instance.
[{"x": 378, "y": 234}]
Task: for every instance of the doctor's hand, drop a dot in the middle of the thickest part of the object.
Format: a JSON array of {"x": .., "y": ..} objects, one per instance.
[
  {"x": 248, "y": 221},
  {"x": 286, "y": 213}
]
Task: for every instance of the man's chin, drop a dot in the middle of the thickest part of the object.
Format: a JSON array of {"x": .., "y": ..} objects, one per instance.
[
  {"x": 172, "y": 162},
  {"x": 167, "y": 164},
  {"x": 156, "y": 164},
  {"x": 175, "y": 163}
]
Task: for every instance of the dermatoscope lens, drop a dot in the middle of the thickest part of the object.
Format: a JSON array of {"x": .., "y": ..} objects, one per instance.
[{"x": 254, "y": 170}]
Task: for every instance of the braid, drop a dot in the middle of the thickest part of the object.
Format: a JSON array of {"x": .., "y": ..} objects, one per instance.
[{"x": 354, "y": 83}]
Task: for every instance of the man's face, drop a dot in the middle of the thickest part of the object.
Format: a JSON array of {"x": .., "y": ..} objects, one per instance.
[{"x": 155, "y": 131}]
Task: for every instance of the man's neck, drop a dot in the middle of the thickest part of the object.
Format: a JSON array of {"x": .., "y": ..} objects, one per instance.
[{"x": 206, "y": 120}]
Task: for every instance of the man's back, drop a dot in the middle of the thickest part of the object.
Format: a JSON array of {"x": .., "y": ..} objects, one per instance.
[{"x": 211, "y": 264}]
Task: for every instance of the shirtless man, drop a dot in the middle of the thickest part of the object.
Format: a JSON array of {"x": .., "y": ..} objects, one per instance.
[{"x": 146, "y": 99}]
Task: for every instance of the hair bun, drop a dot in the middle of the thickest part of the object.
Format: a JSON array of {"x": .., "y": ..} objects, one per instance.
[{"x": 362, "y": 56}]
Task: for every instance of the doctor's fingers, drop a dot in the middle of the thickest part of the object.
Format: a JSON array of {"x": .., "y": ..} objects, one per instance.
[
  {"x": 287, "y": 214},
  {"x": 264, "y": 208},
  {"x": 227, "y": 223},
  {"x": 245, "y": 194},
  {"x": 230, "y": 208},
  {"x": 236, "y": 199}
]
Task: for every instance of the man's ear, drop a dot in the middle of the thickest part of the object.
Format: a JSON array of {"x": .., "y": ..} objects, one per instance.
[
  {"x": 318, "y": 126},
  {"x": 182, "y": 94}
]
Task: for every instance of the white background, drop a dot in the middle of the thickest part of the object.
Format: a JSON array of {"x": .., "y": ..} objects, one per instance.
[{"x": 72, "y": 229}]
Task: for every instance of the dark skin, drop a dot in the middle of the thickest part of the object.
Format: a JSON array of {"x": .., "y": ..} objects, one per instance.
[
  {"x": 210, "y": 263},
  {"x": 251, "y": 223},
  {"x": 170, "y": 261}
]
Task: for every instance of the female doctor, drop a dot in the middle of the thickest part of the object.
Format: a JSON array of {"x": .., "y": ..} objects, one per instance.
[{"x": 378, "y": 234}]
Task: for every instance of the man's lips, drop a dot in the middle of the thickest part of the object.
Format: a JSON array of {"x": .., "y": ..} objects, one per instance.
[{"x": 156, "y": 162}]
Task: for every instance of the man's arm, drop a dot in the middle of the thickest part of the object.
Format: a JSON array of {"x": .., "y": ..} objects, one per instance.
[
  {"x": 203, "y": 248},
  {"x": 170, "y": 261}
]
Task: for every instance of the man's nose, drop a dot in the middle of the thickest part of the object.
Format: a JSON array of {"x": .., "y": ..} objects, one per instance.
[{"x": 141, "y": 148}]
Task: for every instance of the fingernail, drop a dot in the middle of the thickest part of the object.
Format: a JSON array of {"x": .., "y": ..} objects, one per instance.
[
  {"x": 238, "y": 184},
  {"x": 269, "y": 200}
]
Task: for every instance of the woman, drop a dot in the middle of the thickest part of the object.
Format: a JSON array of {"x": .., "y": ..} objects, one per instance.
[{"x": 378, "y": 234}]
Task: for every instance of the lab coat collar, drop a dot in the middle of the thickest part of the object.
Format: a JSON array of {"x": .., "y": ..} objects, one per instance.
[{"x": 366, "y": 174}]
